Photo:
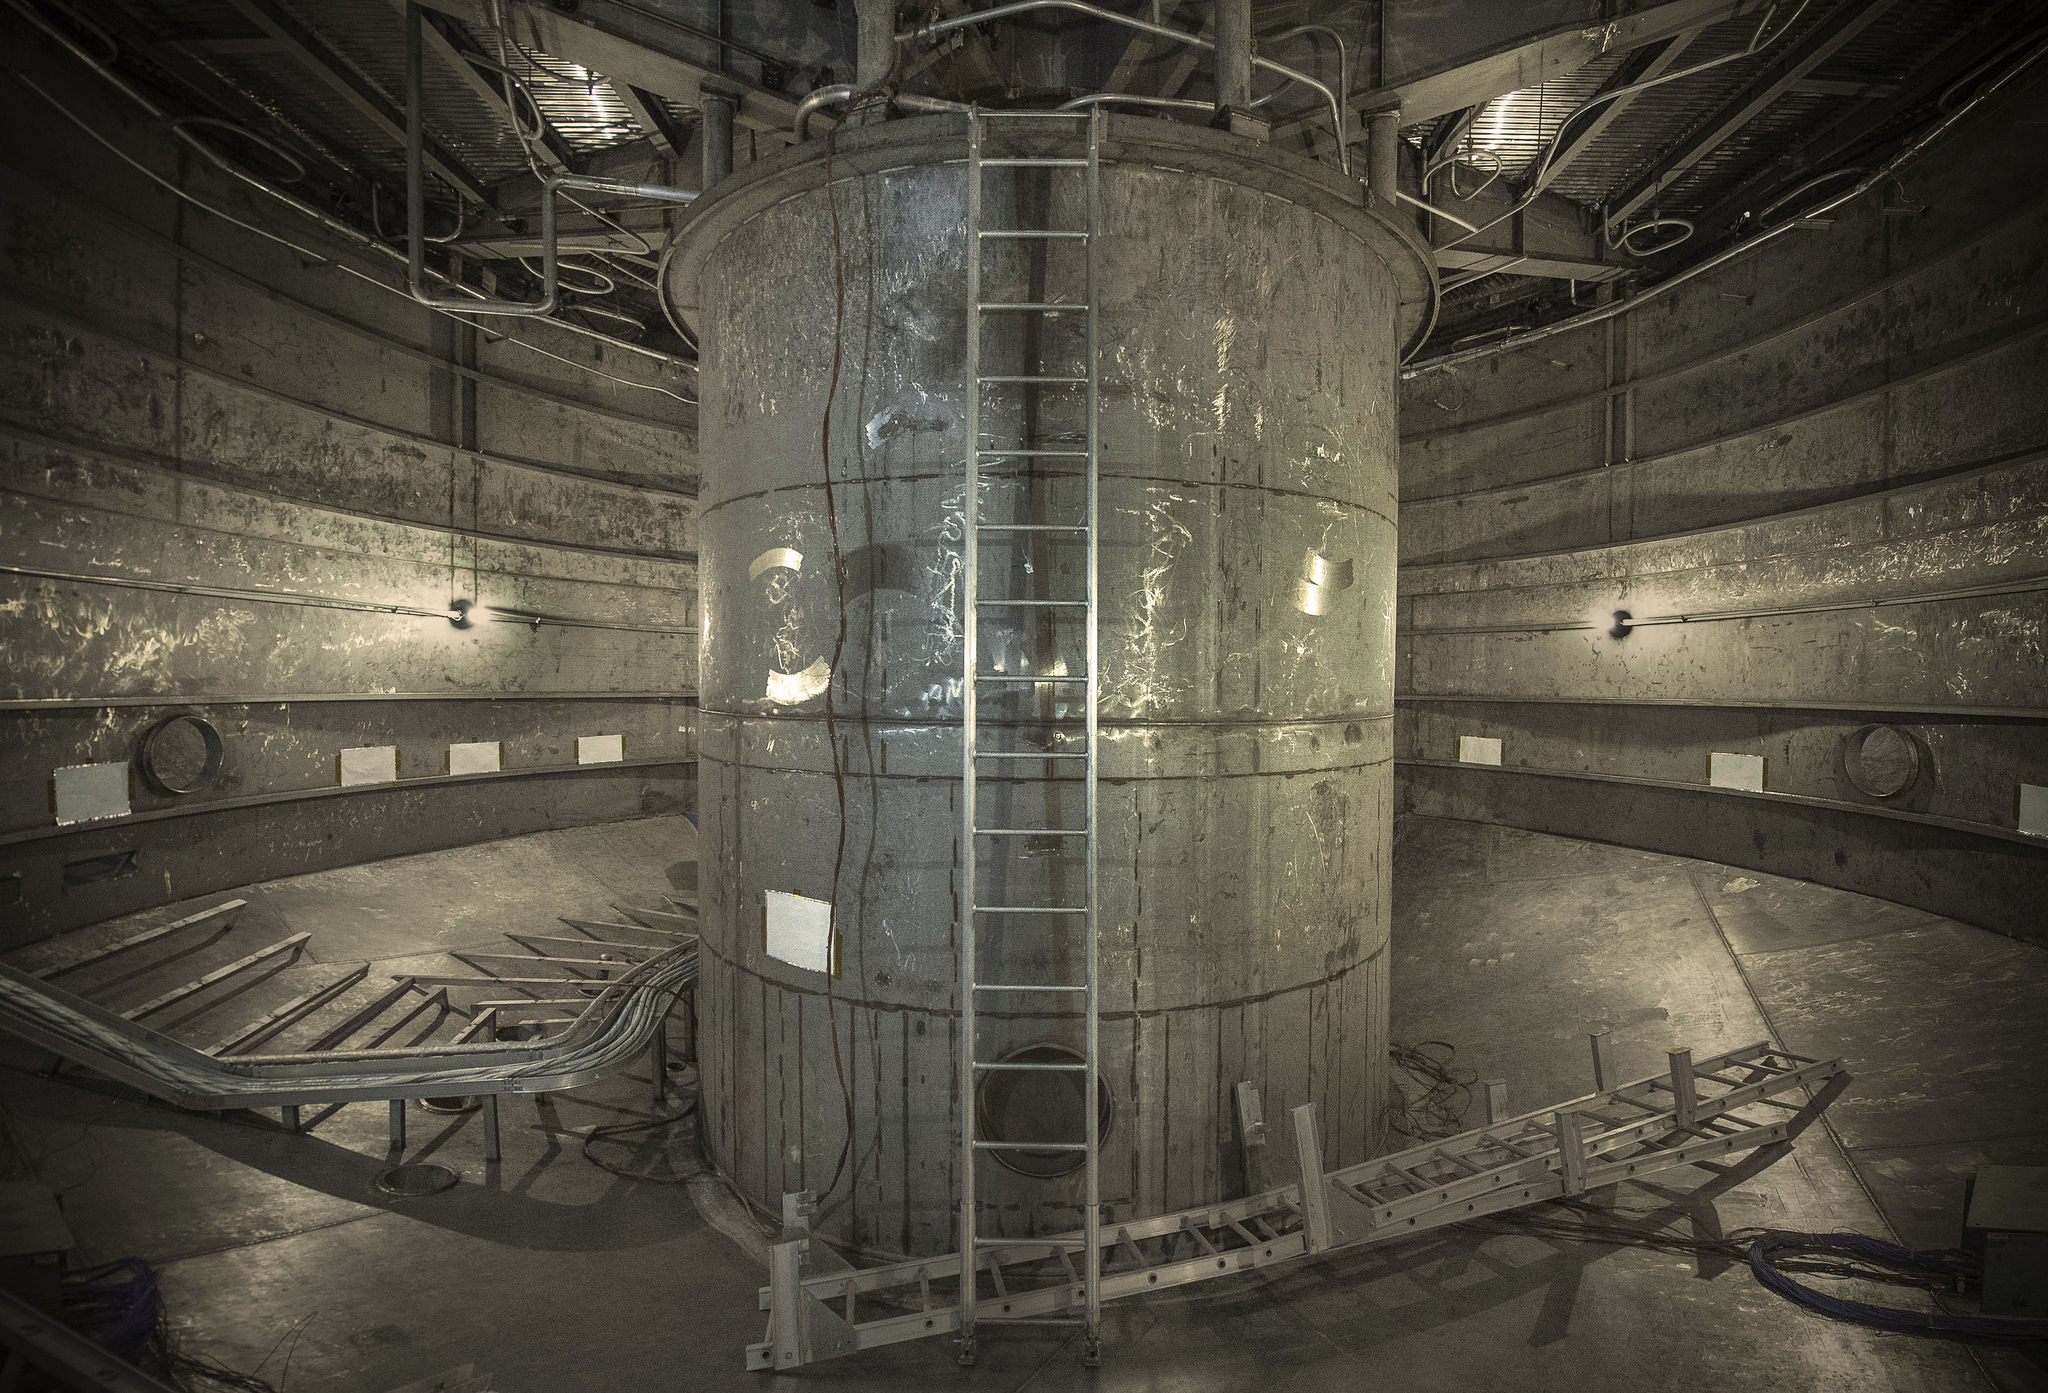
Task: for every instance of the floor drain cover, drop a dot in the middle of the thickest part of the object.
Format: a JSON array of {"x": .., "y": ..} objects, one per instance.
[
  {"x": 449, "y": 1104},
  {"x": 419, "y": 1179}
]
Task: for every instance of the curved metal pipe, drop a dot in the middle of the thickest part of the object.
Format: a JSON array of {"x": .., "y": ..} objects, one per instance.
[
  {"x": 1157, "y": 31},
  {"x": 1122, "y": 98},
  {"x": 816, "y": 100},
  {"x": 416, "y": 203}
]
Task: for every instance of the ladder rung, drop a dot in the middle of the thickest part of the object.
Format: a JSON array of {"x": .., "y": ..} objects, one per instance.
[
  {"x": 1028, "y": 305},
  {"x": 1037, "y": 1068},
  {"x": 1076, "y": 1244},
  {"x": 1029, "y": 162},
  {"x": 1029, "y": 754},
  {"x": 1030, "y": 909},
  {"x": 981, "y": 1145},
  {"x": 1006, "y": 677},
  {"x": 1021, "y": 987},
  {"x": 1017, "y": 233},
  {"x": 1031, "y": 527},
  {"x": 1056, "y": 381},
  {"x": 1030, "y": 831},
  {"x": 1033, "y": 454},
  {"x": 1028, "y": 604}
]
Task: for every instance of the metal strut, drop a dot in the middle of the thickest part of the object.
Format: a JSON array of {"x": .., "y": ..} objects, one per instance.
[{"x": 1049, "y": 730}]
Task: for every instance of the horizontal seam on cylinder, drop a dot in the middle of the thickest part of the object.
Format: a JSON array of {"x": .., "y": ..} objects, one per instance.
[
  {"x": 953, "y": 1013},
  {"x": 952, "y": 476}
]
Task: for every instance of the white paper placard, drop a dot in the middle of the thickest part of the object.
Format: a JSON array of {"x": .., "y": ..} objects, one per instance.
[
  {"x": 2034, "y": 809},
  {"x": 1735, "y": 771},
  {"x": 482, "y": 757},
  {"x": 88, "y": 792},
  {"x": 369, "y": 764},
  {"x": 799, "y": 929},
  {"x": 600, "y": 749},
  {"x": 1478, "y": 749}
]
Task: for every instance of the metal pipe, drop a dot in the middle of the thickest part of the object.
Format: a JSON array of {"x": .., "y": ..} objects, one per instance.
[
  {"x": 1541, "y": 177},
  {"x": 718, "y": 113},
  {"x": 1412, "y": 201},
  {"x": 416, "y": 202},
  {"x": 297, "y": 205},
  {"x": 874, "y": 53},
  {"x": 1132, "y": 99},
  {"x": 1618, "y": 307},
  {"x": 1383, "y": 158},
  {"x": 1343, "y": 69},
  {"x": 1233, "y": 58},
  {"x": 1157, "y": 31},
  {"x": 817, "y": 99}
]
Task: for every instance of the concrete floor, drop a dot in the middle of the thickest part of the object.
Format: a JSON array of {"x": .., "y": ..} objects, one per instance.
[{"x": 553, "y": 1274}]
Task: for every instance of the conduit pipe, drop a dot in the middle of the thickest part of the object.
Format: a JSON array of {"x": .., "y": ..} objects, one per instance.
[
  {"x": 1618, "y": 307},
  {"x": 332, "y": 224},
  {"x": 416, "y": 202},
  {"x": 1540, "y": 179},
  {"x": 1157, "y": 31}
]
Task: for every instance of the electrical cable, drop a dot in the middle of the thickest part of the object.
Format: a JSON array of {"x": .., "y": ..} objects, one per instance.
[
  {"x": 325, "y": 220},
  {"x": 864, "y": 97},
  {"x": 1523, "y": 336},
  {"x": 1760, "y": 39},
  {"x": 624, "y": 1129},
  {"x": 1439, "y": 1111}
]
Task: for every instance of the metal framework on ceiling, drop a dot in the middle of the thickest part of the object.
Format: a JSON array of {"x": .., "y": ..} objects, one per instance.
[{"x": 1593, "y": 143}]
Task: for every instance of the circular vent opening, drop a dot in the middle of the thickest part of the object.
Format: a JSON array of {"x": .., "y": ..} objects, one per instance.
[
  {"x": 1881, "y": 761},
  {"x": 1043, "y": 1105},
  {"x": 180, "y": 755}
]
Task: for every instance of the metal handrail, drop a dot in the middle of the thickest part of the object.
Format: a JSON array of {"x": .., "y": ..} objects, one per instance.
[
  {"x": 1157, "y": 31},
  {"x": 617, "y": 1025}
]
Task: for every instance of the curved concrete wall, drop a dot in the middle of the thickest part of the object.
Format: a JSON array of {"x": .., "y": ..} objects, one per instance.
[
  {"x": 224, "y": 466},
  {"x": 1818, "y": 479}
]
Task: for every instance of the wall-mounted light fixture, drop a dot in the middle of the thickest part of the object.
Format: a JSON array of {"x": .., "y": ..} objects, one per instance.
[{"x": 1622, "y": 628}]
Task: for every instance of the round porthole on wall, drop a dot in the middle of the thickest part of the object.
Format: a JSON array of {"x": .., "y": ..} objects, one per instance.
[
  {"x": 180, "y": 754},
  {"x": 1882, "y": 761},
  {"x": 1040, "y": 1105}
]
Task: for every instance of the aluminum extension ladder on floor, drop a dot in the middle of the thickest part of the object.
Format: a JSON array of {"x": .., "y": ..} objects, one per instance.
[
  {"x": 1750, "y": 1103},
  {"x": 1056, "y": 756}
]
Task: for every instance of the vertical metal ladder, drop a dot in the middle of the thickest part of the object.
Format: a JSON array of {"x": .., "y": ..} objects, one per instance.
[{"x": 1080, "y": 524}]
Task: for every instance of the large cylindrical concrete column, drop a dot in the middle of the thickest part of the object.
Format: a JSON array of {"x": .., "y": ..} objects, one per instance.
[{"x": 1252, "y": 310}]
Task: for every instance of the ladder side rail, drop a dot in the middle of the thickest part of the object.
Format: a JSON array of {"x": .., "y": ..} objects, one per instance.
[
  {"x": 1091, "y": 1222},
  {"x": 970, "y": 520}
]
